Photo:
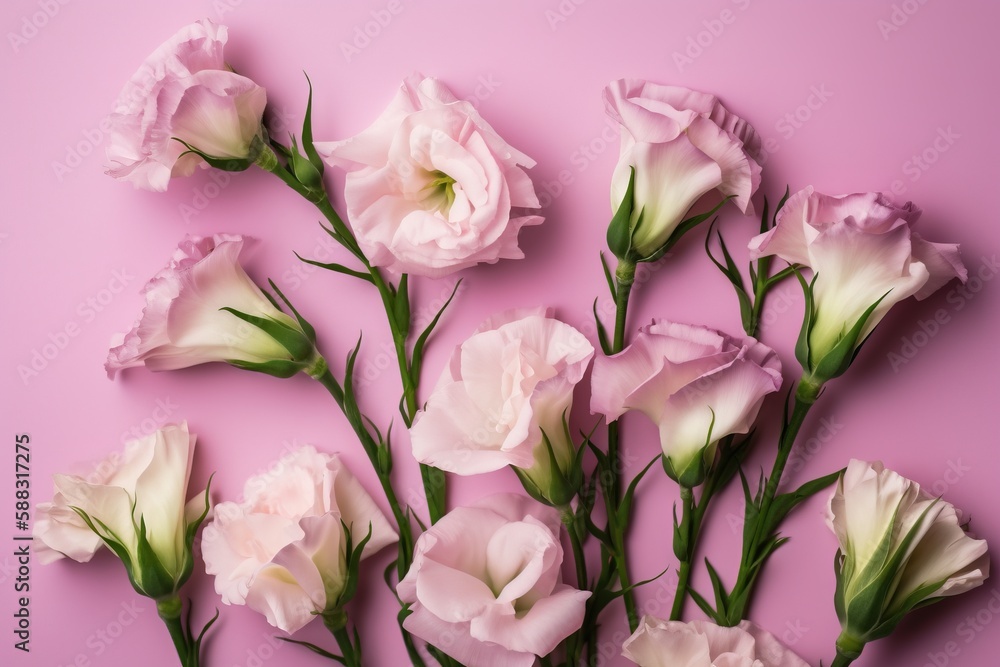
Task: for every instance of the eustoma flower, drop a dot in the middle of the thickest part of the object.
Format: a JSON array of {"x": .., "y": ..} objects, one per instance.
[
  {"x": 504, "y": 399},
  {"x": 282, "y": 551},
  {"x": 203, "y": 307},
  {"x": 432, "y": 188},
  {"x": 135, "y": 503},
  {"x": 900, "y": 548},
  {"x": 185, "y": 91},
  {"x": 865, "y": 258},
  {"x": 659, "y": 643},
  {"x": 485, "y": 586},
  {"x": 697, "y": 384},
  {"x": 681, "y": 145}
]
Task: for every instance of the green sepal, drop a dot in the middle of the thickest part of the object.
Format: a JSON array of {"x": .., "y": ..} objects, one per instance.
[
  {"x": 835, "y": 362},
  {"x": 303, "y": 169},
  {"x": 620, "y": 228},
  {"x": 611, "y": 281},
  {"x": 602, "y": 333},
  {"x": 114, "y": 543},
  {"x": 802, "y": 352},
  {"x": 295, "y": 341},
  {"x": 279, "y": 368},
  {"x": 225, "y": 164},
  {"x": 353, "y": 554},
  {"x": 189, "y": 534},
  {"x": 685, "y": 226},
  {"x": 154, "y": 579},
  {"x": 304, "y": 324}
]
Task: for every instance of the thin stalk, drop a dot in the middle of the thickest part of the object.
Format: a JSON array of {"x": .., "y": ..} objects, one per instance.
[
  {"x": 371, "y": 449},
  {"x": 689, "y": 534},
  {"x": 434, "y": 481},
  {"x": 579, "y": 558},
  {"x": 169, "y": 610},
  {"x": 750, "y": 565},
  {"x": 336, "y": 623},
  {"x": 624, "y": 279}
]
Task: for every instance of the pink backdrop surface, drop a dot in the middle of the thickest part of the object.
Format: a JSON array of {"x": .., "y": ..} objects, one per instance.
[{"x": 849, "y": 96}]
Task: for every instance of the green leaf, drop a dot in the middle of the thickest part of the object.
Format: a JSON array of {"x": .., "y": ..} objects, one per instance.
[
  {"x": 401, "y": 306},
  {"x": 153, "y": 576},
  {"x": 338, "y": 268},
  {"x": 224, "y": 164},
  {"x": 620, "y": 228},
  {"x": 684, "y": 227},
  {"x": 602, "y": 333},
  {"x": 718, "y": 618},
  {"x": 278, "y": 368},
  {"x": 721, "y": 597},
  {"x": 610, "y": 279},
  {"x": 786, "y": 502},
  {"x": 307, "y": 134},
  {"x": 625, "y": 506},
  {"x": 313, "y": 648},
  {"x": 416, "y": 360}
]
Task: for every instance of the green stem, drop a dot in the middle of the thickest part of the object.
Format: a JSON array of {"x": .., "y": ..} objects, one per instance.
[
  {"x": 624, "y": 279},
  {"x": 434, "y": 480},
  {"x": 585, "y": 635},
  {"x": 689, "y": 534},
  {"x": 336, "y": 623},
  {"x": 384, "y": 477},
  {"x": 841, "y": 660},
  {"x": 848, "y": 650},
  {"x": 753, "y": 558},
  {"x": 169, "y": 610}
]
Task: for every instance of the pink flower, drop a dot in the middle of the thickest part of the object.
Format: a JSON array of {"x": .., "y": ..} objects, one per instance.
[
  {"x": 485, "y": 586},
  {"x": 699, "y": 385},
  {"x": 505, "y": 392},
  {"x": 432, "y": 188},
  {"x": 861, "y": 249},
  {"x": 183, "y": 91},
  {"x": 184, "y": 324},
  {"x": 659, "y": 643},
  {"x": 900, "y": 548},
  {"x": 683, "y": 144},
  {"x": 282, "y": 550},
  {"x": 136, "y": 500}
]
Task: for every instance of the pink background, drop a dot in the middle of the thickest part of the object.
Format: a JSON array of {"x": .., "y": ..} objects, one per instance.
[{"x": 879, "y": 97}]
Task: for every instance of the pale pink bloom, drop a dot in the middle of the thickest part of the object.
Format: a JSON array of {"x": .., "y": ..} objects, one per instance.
[
  {"x": 184, "y": 91},
  {"x": 486, "y": 588},
  {"x": 144, "y": 485},
  {"x": 431, "y": 187},
  {"x": 683, "y": 144},
  {"x": 862, "y": 249},
  {"x": 697, "y": 384},
  {"x": 878, "y": 516},
  {"x": 183, "y": 325},
  {"x": 659, "y": 643},
  {"x": 282, "y": 550},
  {"x": 505, "y": 386}
]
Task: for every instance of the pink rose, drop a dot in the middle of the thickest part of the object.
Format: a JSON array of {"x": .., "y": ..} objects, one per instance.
[
  {"x": 504, "y": 393},
  {"x": 486, "y": 588},
  {"x": 659, "y": 643},
  {"x": 183, "y": 91},
  {"x": 900, "y": 548},
  {"x": 861, "y": 249},
  {"x": 184, "y": 324},
  {"x": 432, "y": 188},
  {"x": 699, "y": 385},
  {"x": 281, "y": 551},
  {"x": 683, "y": 144}
]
